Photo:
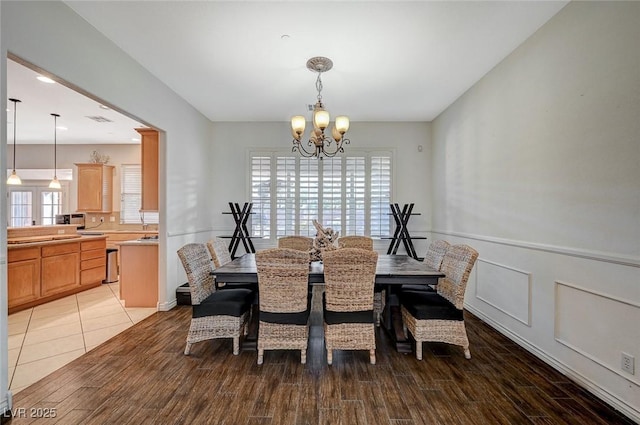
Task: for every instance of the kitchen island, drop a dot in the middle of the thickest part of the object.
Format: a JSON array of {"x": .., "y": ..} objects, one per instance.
[
  {"x": 50, "y": 262},
  {"x": 139, "y": 272}
]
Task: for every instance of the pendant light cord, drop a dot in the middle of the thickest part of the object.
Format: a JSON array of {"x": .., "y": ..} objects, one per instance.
[
  {"x": 55, "y": 145},
  {"x": 15, "y": 103}
]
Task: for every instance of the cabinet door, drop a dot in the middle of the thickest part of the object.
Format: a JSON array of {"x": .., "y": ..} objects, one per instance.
[
  {"x": 60, "y": 273},
  {"x": 23, "y": 282},
  {"x": 149, "y": 169},
  {"x": 89, "y": 188}
]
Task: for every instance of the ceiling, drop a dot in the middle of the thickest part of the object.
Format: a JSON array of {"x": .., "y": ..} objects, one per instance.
[{"x": 246, "y": 61}]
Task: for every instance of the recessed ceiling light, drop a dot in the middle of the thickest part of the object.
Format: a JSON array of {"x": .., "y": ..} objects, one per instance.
[
  {"x": 135, "y": 139},
  {"x": 285, "y": 36},
  {"x": 104, "y": 107},
  {"x": 61, "y": 127},
  {"x": 45, "y": 79}
]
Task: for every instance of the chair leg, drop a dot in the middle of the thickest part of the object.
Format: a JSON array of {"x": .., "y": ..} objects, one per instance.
[
  {"x": 329, "y": 356},
  {"x": 303, "y": 356},
  {"x": 236, "y": 345},
  {"x": 467, "y": 353},
  {"x": 419, "y": 350},
  {"x": 187, "y": 349},
  {"x": 260, "y": 356},
  {"x": 372, "y": 356}
]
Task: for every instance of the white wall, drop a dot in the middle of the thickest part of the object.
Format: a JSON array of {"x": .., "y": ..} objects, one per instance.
[
  {"x": 41, "y": 157},
  {"x": 411, "y": 174},
  {"x": 538, "y": 167},
  {"x": 51, "y": 36}
]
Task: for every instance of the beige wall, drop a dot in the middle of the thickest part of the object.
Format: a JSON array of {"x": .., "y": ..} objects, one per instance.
[{"x": 538, "y": 167}]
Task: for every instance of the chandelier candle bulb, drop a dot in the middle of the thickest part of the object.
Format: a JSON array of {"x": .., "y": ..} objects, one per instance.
[{"x": 319, "y": 145}]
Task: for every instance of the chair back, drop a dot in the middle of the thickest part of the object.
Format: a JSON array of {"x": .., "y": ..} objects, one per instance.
[
  {"x": 456, "y": 265},
  {"x": 300, "y": 243},
  {"x": 197, "y": 265},
  {"x": 435, "y": 254},
  {"x": 349, "y": 277},
  {"x": 219, "y": 252},
  {"x": 362, "y": 242},
  {"x": 283, "y": 279}
]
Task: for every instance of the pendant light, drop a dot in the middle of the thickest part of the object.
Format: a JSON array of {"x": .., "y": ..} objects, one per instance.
[
  {"x": 55, "y": 184},
  {"x": 14, "y": 179}
]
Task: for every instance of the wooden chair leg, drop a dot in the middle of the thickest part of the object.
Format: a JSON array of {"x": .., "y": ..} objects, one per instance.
[
  {"x": 372, "y": 356},
  {"x": 187, "y": 349},
  {"x": 329, "y": 356},
  {"x": 467, "y": 353},
  {"x": 260, "y": 356},
  {"x": 303, "y": 356},
  {"x": 419, "y": 350}
]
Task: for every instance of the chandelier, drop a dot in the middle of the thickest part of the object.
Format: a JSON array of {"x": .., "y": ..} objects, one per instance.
[{"x": 319, "y": 144}]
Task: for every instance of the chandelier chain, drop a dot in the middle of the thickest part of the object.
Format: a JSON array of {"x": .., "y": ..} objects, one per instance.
[{"x": 319, "y": 86}]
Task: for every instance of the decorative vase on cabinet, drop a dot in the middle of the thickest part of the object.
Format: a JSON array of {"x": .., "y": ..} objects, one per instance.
[{"x": 95, "y": 187}]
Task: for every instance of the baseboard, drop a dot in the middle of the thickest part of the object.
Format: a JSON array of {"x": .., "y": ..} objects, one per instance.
[
  {"x": 168, "y": 305},
  {"x": 5, "y": 408},
  {"x": 567, "y": 371}
]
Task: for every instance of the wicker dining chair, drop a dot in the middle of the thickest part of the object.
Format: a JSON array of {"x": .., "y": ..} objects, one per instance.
[
  {"x": 283, "y": 278},
  {"x": 219, "y": 252},
  {"x": 300, "y": 243},
  {"x": 433, "y": 258},
  {"x": 362, "y": 242},
  {"x": 438, "y": 316},
  {"x": 349, "y": 276},
  {"x": 215, "y": 314},
  {"x": 365, "y": 242}
]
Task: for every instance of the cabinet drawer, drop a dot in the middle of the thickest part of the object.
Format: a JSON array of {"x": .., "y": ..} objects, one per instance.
[
  {"x": 92, "y": 275},
  {"x": 94, "y": 253},
  {"x": 98, "y": 244},
  {"x": 22, "y": 254},
  {"x": 93, "y": 263},
  {"x": 63, "y": 248}
]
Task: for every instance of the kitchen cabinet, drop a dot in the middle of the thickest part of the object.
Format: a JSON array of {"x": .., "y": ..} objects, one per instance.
[
  {"x": 149, "y": 168},
  {"x": 23, "y": 270},
  {"x": 39, "y": 272},
  {"x": 60, "y": 268},
  {"x": 95, "y": 187},
  {"x": 93, "y": 261}
]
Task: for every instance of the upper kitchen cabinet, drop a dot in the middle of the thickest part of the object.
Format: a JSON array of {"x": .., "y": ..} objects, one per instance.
[
  {"x": 149, "y": 169},
  {"x": 95, "y": 187}
]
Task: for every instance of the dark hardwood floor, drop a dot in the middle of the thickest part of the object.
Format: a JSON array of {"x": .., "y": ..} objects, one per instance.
[{"x": 142, "y": 377}]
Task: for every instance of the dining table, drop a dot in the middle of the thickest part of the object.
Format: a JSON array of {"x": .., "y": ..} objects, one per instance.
[{"x": 392, "y": 271}]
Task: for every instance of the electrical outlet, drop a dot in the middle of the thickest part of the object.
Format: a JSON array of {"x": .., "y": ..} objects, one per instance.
[
  {"x": 93, "y": 219},
  {"x": 112, "y": 219},
  {"x": 628, "y": 363}
]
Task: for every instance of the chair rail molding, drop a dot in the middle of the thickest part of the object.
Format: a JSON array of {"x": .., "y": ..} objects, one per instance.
[{"x": 624, "y": 260}]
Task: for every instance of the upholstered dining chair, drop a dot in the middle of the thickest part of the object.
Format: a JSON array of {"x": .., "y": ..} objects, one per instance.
[
  {"x": 349, "y": 276},
  {"x": 283, "y": 277},
  {"x": 300, "y": 243},
  {"x": 433, "y": 258},
  {"x": 438, "y": 316},
  {"x": 365, "y": 242},
  {"x": 353, "y": 241},
  {"x": 215, "y": 314}
]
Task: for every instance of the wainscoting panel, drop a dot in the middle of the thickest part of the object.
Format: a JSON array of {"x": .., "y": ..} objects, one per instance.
[
  {"x": 504, "y": 288},
  {"x": 598, "y": 326}
]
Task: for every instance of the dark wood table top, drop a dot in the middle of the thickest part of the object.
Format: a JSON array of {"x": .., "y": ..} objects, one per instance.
[{"x": 390, "y": 270}]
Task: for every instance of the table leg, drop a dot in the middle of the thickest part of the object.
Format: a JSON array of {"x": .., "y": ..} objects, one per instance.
[{"x": 392, "y": 321}]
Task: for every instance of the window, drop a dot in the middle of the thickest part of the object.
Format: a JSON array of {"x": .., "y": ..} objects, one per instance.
[
  {"x": 351, "y": 194},
  {"x": 131, "y": 197},
  {"x": 33, "y": 204}
]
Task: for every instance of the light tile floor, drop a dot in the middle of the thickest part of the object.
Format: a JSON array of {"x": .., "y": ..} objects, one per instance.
[{"x": 45, "y": 338}]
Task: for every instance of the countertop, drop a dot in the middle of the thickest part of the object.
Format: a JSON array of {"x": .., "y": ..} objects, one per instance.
[
  {"x": 108, "y": 232},
  {"x": 139, "y": 242},
  {"x": 50, "y": 240}
]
